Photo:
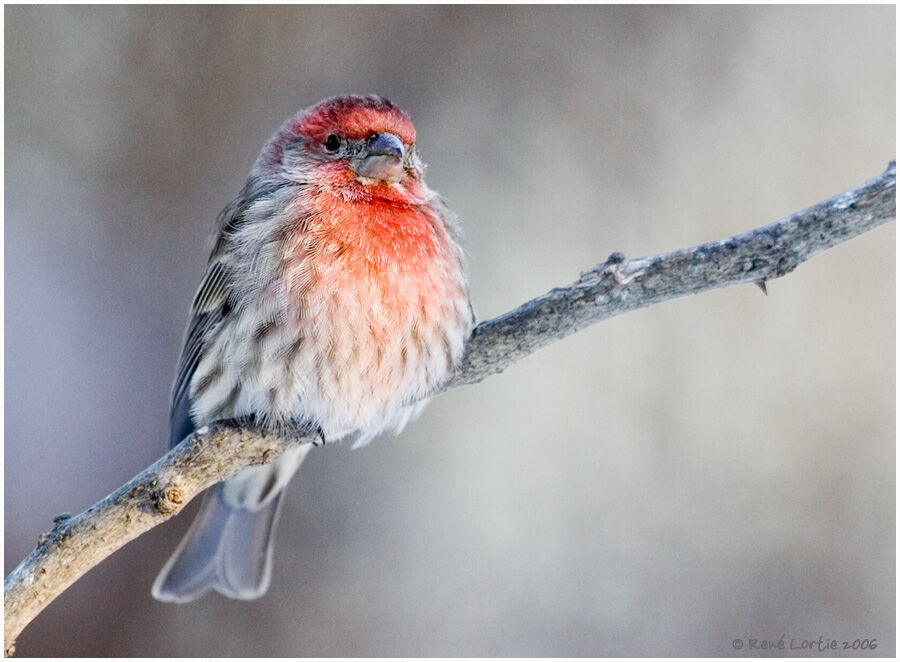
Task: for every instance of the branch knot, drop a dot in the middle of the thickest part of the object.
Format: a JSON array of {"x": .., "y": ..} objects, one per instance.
[{"x": 168, "y": 500}]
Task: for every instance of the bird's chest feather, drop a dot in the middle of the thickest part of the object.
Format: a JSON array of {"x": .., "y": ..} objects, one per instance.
[
  {"x": 377, "y": 295},
  {"x": 365, "y": 267}
]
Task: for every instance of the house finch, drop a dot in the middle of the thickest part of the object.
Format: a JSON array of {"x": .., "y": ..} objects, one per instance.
[{"x": 334, "y": 300}]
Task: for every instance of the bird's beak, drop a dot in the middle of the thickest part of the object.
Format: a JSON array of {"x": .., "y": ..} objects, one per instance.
[{"x": 382, "y": 159}]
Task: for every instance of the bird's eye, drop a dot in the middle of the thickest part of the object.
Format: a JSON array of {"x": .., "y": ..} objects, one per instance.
[{"x": 332, "y": 143}]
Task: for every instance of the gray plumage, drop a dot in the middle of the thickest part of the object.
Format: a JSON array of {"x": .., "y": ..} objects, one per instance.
[{"x": 334, "y": 297}]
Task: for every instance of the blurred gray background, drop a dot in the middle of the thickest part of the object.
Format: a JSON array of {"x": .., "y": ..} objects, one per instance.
[{"x": 713, "y": 468}]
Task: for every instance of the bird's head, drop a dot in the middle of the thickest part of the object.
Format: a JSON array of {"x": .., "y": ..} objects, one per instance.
[{"x": 352, "y": 143}]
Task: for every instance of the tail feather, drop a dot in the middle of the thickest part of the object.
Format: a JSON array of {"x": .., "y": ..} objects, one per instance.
[
  {"x": 229, "y": 546},
  {"x": 227, "y": 549}
]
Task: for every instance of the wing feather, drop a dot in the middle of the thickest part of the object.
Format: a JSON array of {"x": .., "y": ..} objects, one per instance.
[
  {"x": 209, "y": 309},
  {"x": 213, "y": 301}
]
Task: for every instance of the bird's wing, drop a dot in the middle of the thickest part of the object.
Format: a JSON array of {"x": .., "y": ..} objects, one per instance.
[
  {"x": 207, "y": 312},
  {"x": 213, "y": 300}
]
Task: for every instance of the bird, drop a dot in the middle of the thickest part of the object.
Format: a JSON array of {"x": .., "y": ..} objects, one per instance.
[{"x": 335, "y": 299}]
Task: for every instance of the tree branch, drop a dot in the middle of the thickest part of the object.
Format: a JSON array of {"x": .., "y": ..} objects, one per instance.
[
  {"x": 619, "y": 286},
  {"x": 76, "y": 544}
]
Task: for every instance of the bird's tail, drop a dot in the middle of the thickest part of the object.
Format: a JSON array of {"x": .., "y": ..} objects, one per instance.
[{"x": 229, "y": 545}]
